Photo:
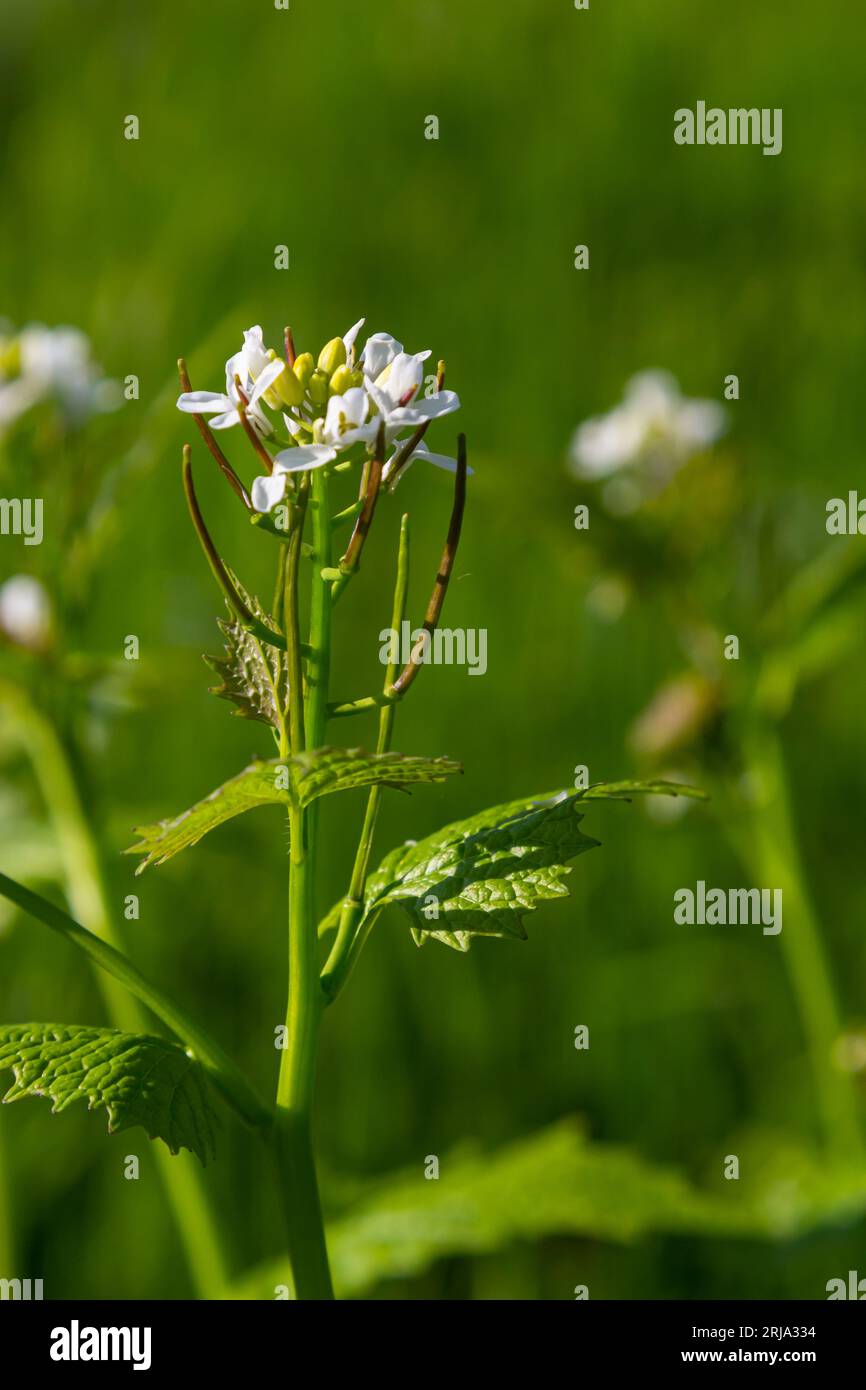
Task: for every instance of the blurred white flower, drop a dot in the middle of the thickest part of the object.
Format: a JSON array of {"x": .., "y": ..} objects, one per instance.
[
  {"x": 655, "y": 430},
  {"x": 40, "y": 363},
  {"x": 25, "y": 612}
]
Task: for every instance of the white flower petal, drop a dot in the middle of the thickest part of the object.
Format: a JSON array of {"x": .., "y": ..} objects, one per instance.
[
  {"x": 304, "y": 457},
  {"x": 202, "y": 402},
  {"x": 440, "y": 460},
  {"x": 380, "y": 398},
  {"x": 237, "y": 366},
  {"x": 254, "y": 351},
  {"x": 379, "y": 350},
  {"x": 266, "y": 491},
  {"x": 292, "y": 425},
  {"x": 266, "y": 378},
  {"x": 225, "y": 422},
  {"x": 426, "y": 455},
  {"x": 404, "y": 377},
  {"x": 427, "y": 408},
  {"x": 349, "y": 338}
]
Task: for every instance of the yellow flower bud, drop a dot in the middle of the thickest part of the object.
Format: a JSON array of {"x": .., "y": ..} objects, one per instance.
[
  {"x": 10, "y": 357},
  {"x": 332, "y": 356},
  {"x": 286, "y": 390},
  {"x": 304, "y": 368},
  {"x": 341, "y": 380},
  {"x": 318, "y": 387}
]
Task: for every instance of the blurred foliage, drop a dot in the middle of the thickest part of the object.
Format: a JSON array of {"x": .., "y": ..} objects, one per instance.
[
  {"x": 305, "y": 127},
  {"x": 557, "y": 1184}
]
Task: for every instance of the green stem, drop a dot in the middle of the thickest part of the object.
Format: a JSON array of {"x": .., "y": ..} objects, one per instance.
[
  {"x": 293, "y": 1146},
  {"x": 86, "y": 893},
  {"x": 767, "y": 841},
  {"x": 319, "y": 665},
  {"x": 293, "y": 1128},
  {"x": 349, "y": 939}
]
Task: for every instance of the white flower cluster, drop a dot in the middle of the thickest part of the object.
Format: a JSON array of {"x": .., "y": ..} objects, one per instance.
[
  {"x": 328, "y": 404},
  {"x": 51, "y": 364},
  {"x": 652, "y": 432}
]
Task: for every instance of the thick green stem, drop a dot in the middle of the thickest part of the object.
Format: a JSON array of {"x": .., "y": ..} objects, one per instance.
[
  {"x": 87, "y": 897},
  {"x": 293, "y": 1145},
  {"x": 768, "y": 843},
  {"x": 293, "y": 1129}
]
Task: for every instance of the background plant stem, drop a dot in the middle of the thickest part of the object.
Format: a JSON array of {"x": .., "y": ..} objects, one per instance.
[
  {"x": 85, "y": 891},
  {"x": 767, "y": 843},
  {"x": 7, "y": 1234}
]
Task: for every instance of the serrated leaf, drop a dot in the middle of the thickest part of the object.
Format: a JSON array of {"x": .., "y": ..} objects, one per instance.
[
  {"x": 254, "y": 674},
  {"x": 327, "y": 770},
  {"x": 480, "y": 876},
  {"x": 140, "y": 1080},
  {"x": 258, "y": 785},
  {"x": 281, "y": 781}
]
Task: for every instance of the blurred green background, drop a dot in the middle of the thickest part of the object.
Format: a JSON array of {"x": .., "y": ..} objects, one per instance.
[{"x": 306, "y": 127}]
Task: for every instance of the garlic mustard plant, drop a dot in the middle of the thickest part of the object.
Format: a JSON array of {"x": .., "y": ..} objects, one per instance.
[{"x": 354, "y": 420}]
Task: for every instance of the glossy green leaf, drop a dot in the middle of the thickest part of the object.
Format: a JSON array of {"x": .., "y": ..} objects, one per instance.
[{"x": 480, "y": 876}]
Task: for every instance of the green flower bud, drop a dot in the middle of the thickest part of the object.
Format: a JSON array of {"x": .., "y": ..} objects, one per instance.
[
  {"x": 332, "y": 356},
  {"x": 318, "y": 387},
  {"x": 304, "y": 368}
]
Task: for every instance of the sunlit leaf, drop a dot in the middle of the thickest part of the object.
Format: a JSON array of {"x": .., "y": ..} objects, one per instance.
[
  {"x": 140, "y": 1080},
  {"x": 479, "y": 877}
]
